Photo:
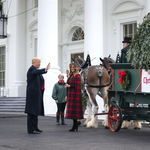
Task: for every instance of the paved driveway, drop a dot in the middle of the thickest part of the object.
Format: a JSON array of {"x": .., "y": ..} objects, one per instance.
[{"x": 13, "y": 136}]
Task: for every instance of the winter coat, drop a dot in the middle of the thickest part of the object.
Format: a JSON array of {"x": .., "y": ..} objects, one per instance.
[
  {"x": 124, "y": 54},
  {"x": 34, "y": 91},
  {"x": 59, "y": 92},
  {"x": 74, "y": 98}
]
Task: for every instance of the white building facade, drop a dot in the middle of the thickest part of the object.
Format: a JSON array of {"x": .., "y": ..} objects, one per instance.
[{"x": 56, "y": 30}]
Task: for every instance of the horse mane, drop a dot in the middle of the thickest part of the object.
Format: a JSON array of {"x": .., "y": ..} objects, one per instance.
[
  {"x": 106, "y": 61},
  {"x": 109, "y": 59}
]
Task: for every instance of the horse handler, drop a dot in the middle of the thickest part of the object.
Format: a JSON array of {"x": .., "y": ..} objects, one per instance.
[{"x": 34, "y": 95}]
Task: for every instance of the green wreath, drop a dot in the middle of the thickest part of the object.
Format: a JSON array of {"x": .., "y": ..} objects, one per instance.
[{"x": 127, "y": 81}]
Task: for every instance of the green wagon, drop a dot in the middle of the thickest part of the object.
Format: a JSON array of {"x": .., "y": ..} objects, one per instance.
[{"x": 121, "y": 108}]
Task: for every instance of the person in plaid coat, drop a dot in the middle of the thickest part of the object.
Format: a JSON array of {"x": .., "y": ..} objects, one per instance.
[{"x": 74, "y": 97}]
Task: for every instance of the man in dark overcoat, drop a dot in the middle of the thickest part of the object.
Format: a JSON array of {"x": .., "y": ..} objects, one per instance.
[
  {"x": 34, "y": 95},
  {"x": 126, "y": 41}
]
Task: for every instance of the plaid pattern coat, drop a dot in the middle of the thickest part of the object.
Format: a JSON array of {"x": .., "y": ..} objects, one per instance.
[{"x": 74, "y": 98}]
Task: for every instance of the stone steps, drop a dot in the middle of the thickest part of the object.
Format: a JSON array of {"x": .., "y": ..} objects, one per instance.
[{"x": 12, "y": 104}]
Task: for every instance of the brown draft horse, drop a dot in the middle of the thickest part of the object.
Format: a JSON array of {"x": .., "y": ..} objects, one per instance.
[{"x": 94, "y": 79}]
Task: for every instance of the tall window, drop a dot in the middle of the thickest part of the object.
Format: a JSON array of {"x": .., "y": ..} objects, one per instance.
[
  {"x": 78, "y": 35},
  {"x": 2, "y": 66},
  {"x": 129, "y": 30}
]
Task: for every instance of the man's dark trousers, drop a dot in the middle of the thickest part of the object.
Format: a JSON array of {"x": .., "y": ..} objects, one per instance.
[{"x": 32, "y": 123}]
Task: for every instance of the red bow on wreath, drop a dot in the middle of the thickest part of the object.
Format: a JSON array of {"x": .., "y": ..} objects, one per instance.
[{"x": 122, "y": 77}]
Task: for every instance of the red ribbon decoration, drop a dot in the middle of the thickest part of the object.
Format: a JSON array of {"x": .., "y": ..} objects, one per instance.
[{"x": 122, "y": 78}]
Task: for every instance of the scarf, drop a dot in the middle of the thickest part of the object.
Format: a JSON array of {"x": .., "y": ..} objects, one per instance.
[{"x": 62, "y": 82}]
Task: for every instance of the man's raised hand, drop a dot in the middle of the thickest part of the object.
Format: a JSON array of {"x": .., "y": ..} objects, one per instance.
[{"x": 48, "y": 66}]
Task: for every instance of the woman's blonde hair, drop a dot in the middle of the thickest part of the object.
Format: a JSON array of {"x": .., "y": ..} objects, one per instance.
[
  {"x": 76, "y": 69},
  {"x": 35, "y": 59},
  {"x": 60, "y": 75}
]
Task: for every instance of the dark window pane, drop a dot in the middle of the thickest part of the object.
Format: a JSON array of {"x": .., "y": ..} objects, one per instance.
[
  {"x": 3, "y": 66},
  {"x": 78, "y": 35},
  {"x": 1, "y": 75},
  {"x": 130, "y": 29},
  {"x": 0, "y": 58},
  {"x": 135, "y": 28},
  {"x": 125, "y": 30},
  {"x": 3, "y": 51},
  {"x": 3, "y": 58},
  {"x": 3, "y": 82}
]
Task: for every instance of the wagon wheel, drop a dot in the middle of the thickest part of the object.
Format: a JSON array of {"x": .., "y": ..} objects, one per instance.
[{"x": 115, "y": 118}]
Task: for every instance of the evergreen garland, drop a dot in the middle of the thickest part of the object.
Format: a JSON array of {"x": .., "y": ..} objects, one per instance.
[
  {"x": 139, "y": 51},
  {"x": 84, "y": 101},
  {"x": 127, "y": 81}
]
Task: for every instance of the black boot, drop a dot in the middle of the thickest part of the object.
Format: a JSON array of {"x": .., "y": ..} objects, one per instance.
[
  {"x": 75, "y": 126},
  {"x": 57, "y": 118},
  {"x": 62, "y": 119}
]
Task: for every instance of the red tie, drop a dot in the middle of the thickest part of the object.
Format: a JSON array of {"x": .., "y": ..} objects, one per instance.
[{"x": 43, "y": 86}]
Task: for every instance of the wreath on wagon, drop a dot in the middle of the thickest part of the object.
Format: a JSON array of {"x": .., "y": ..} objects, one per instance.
[{"x": 124, "y": 79}]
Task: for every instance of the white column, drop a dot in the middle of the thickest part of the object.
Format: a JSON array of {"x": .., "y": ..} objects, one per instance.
[
  {"x": 48, "y": 31},
  {"x": 93, "y": 42},
  {"x": 93, "y": 16},
  {"x": 16, "y": 72},
  {"x": 48, "y": 48}
]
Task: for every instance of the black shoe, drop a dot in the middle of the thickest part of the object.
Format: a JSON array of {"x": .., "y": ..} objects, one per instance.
[
  {"x": 72, "y": 130},
  {"x": 34, "y": 132},
  {"x": 63, "y": 123},
  {"x": 57, "y": 123},
  {"x": 38, "y": 130}
]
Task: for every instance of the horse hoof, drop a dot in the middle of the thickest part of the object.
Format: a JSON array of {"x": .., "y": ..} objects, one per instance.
[
  {"x": 89, "y": 127},
  {"x": 137, "y": 128},
  {"x": 106, "y": 127}
]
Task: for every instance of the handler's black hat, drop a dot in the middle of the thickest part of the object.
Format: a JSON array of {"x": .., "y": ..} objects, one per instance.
[{"x": 127, "y": 40}]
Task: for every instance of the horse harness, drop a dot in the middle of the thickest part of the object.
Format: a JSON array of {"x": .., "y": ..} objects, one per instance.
[{"x": 99, "y": 73}]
